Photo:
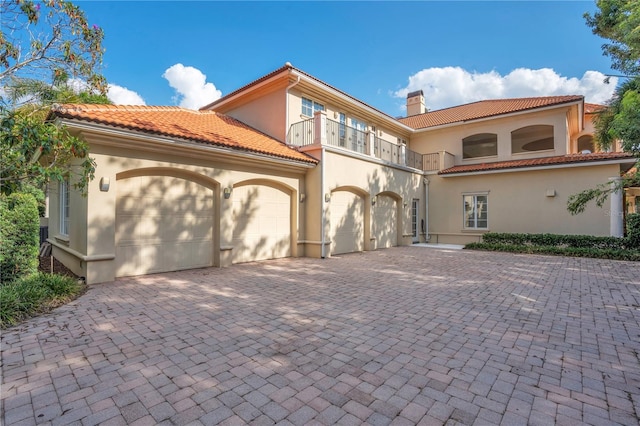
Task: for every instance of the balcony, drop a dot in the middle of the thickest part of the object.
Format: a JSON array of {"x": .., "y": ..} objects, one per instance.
[{"x": 321, "y": 130}]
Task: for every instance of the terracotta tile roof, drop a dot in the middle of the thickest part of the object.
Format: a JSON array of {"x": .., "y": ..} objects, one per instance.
[
  {"x": 204, "y": 127},
  {"x": 593, "y": 108},
  {"x": 535, "y": 162},
  {"x": 482, "y": 109}
]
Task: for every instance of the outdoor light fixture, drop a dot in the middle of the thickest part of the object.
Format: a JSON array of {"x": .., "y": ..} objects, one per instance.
[
  {"x": 104, "y": 184},
  {"x": 303, "y": 197},
  {"x": 373, "y": 200},
  {"x": 227, "y": 193},
  {"x": 327, "y": 197}
]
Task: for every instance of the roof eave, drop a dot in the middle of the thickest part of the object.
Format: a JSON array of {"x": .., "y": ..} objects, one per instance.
[{"x": 493, "y": 117}]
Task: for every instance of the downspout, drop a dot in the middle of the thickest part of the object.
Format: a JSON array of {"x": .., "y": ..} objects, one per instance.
[
  {"x": 286, "y": 109},
  {"x": 322, "y": 201},
  {"x": 427, "y": 237}
]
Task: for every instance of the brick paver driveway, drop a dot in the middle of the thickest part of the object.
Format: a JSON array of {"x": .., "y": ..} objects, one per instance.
[{"x": 404, "y": 336}]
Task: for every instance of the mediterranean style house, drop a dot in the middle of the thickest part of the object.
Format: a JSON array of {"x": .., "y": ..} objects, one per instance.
[{"x": 291, "y": 166}]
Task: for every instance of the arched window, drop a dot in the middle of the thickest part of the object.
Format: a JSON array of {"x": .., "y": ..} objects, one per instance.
[
  {"x": 585, "y": 143},
  {"x": 480, "y": 145},
  {"x": 532, "y": 138}
]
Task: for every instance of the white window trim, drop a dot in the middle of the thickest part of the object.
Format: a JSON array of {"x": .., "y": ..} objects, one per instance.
[
  {"x": 64, "y": 208},
  {"x": 313, "y": 106},
  {"x": 464, "y": 221}
]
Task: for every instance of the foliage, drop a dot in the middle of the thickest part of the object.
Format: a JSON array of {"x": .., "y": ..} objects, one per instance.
[
  {"x": 619, "y": 22},
  {"x": 49, "y": 41},
  {"x": 19, "y": 236},
  {"x": 561, "y": 245},
  {"x": 35, "y": 151},
  {"x": 633, "y": 230},
  {"x": 34, "y": 294},
  {"x": 614, "y": 254}
]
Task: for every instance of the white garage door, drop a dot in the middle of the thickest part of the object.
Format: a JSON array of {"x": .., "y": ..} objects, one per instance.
[
  {"x": 385, "y": 223},
  {"x": 262, "y": 223},
  {"x": 347, "y": 222},
  {"x": 163, "y": 224}
]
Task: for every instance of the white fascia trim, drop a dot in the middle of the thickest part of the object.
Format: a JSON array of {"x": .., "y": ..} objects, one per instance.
[
  {"x": 549, "y": 167},
  {"x": 192, "y": 145},
  {"x": 493, "y": 117},
  {"x": 351, "y": 100}
]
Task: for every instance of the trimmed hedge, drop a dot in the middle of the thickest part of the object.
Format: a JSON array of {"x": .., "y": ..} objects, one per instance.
[
  {"x": 554, "y": 240},
  {"x": 19, "y": 236},
  {"x": 603, "y": 253},
  {"x": 633, "y": 230},
  {"x": 568, "y": 245}
]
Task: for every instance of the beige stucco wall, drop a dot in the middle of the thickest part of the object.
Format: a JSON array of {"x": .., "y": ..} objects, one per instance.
[
  {"x": 90, "y": 249},
  {"x": 265, "y": 113},
  {"x": 518, "y": 202},
  {"x": 366, "y": 178},
  {"x": 450, "y": 138}
]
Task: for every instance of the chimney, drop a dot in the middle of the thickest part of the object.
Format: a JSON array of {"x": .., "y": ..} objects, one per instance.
[{"x": 415, "y": 103}]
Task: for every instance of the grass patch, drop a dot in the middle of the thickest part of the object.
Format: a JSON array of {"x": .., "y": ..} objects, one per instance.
[{"x": 35, "y": 294}]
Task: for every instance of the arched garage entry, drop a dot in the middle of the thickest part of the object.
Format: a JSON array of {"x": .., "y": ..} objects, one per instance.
[
  {"x": 164, "y": 221},
  {"x": 347, "y": 219},
  {"x": 386, "y": 218},
  {"x": 264, "y": 220}
]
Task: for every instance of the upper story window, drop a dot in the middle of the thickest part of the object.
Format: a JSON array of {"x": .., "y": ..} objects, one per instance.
[
  {"x": 585, "y": 143},
  {"x": 309, "y": 107},
  {"x": 64, "y": 207},
  {"x": 532, "y": 138},
  {"x": 480, "y": 145}
]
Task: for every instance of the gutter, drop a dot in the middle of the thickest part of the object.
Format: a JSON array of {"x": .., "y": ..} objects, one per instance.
[
  {"x": 322, "y": 201},
  {"x": 286, "y": 109},
  {"x": 427, "y": 237}
]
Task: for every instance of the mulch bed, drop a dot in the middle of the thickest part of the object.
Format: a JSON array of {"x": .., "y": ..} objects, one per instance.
[{"x": 58, "y": 268}]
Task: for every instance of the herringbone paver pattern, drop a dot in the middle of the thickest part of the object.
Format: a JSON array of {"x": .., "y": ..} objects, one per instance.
[{"x": 400, "y": 336}]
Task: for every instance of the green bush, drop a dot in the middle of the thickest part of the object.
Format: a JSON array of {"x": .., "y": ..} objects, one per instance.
[
  {"x": 554, "y": 240},
  {"x": 33, "y": 294},
  {"x": 600, "y": 253},
  {"x": 19, "y": 236},
  {"x": 633, "y": 230}
]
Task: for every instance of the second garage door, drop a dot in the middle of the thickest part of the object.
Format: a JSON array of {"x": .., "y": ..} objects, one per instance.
[{"x": 262, "y": 223}]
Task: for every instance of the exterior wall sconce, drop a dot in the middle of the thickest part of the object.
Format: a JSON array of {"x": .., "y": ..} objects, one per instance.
[
  {"x": 405, "y": 204},
  {"x": 303, "y": 197},
  {"x": 227, "y": 193},
  {"x": 327, "y": 197},
  {"x": 550, "y": 193},
  {"x": 373, "y": 200},
  {"x": 104, "y": 184}
]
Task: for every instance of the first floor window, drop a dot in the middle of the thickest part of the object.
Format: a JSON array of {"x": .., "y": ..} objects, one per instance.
[
  {"x": 476, "y": 211},
  {"x": 64, "y": 207},
  {"x": 309, "y": 107}
]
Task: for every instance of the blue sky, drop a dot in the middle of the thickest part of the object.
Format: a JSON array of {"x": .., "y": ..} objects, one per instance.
[{"x": 457, "y": 52}]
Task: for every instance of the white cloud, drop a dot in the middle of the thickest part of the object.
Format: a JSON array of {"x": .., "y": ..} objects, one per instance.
[
  {"x": 122, "y": 96},
  {"x": 192, "y": 90},
  {"x": 450, "y": 86}
]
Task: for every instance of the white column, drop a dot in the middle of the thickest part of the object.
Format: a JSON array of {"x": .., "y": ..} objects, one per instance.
[
  {"x": 320, "y": 127},
  {"x": 616, "y": 227}
]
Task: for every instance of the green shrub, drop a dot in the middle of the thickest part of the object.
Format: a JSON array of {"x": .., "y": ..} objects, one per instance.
[
  {"x": 19, "y": 236},
  {"x": 554, "y": 240},
  {"x": 633, "y": 230},
  {"x": 600, "y": 253},
  {"x": 33, "y": 294}
]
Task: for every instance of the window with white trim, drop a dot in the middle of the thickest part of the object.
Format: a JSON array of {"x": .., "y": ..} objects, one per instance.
[
  {"x": 64, "y": 207},
  {"x": 476, "y": 214},
  {"x": 309, "y": 107}
]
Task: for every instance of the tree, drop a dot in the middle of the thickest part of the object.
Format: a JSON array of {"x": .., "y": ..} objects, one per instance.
[
  {"x": 49, "y": 40},
  {"x": 618, "y": 21},
  {"x": 46, "y": 48}
]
